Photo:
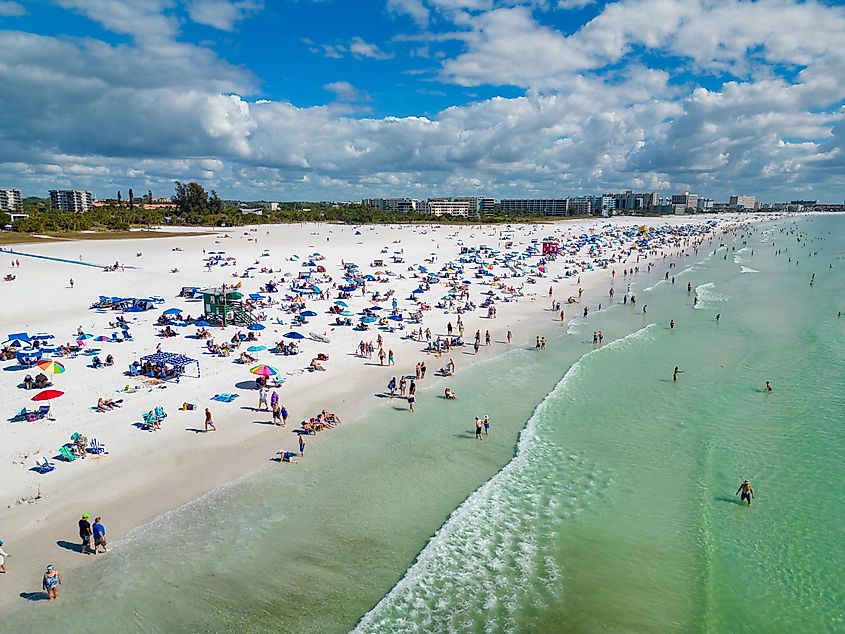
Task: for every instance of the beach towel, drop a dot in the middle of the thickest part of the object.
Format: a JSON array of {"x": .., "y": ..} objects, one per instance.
[{"x": 224, "y": 397}]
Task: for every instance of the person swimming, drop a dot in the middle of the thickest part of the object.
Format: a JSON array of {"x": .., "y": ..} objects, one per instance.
[{"x": 747, "y": 492}]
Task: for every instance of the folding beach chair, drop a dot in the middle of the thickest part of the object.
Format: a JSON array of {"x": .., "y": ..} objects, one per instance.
[
  {"x": 67, "y": 454},
  {"x": 159, "y": 413},
  {"x": 44, "y": 467},
  {"x": 43, "y": 411},
  {"x": 96, "y": 448}
]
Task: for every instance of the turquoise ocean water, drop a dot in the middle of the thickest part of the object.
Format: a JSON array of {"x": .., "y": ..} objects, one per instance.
[{"x": 603, "y": 500}]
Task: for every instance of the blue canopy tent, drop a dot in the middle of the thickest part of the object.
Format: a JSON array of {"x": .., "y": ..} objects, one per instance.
[{"x": 178, "y": 361}]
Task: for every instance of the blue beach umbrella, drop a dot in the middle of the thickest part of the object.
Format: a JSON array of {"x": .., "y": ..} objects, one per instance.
[
  {"x": 201, "y": 324},
  {"x": 368, "y": 320},
  {"x": 395, "y": 317},
  {"x": 256, "y": 348},
  {"x": 341, "y": 303},
  {"x": 294, "y": 335},
  {"x": 173, "y": 311},
  {"x": 308, "y": 313},
  {"x": 255, "y": 327}
]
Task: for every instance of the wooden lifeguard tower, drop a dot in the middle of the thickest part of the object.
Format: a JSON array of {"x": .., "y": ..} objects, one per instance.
[{"x": 225, "y": 306}]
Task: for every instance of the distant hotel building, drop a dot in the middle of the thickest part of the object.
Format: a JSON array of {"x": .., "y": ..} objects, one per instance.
[
  {"x": 10, "y": 199},
  {"x": 743, "y": 202},
  {"x": 450, "y": 207},
  {"x": 536, "y": 206},
  {"x": 71, "y": 200}
]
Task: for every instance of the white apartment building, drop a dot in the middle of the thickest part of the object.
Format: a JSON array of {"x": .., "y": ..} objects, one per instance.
[
  {"x": 686, "y": 199},
  {"x": 71, "y": 200},
  {"x": 536, "y": 206},
  {"x": 10, "y": 199}
]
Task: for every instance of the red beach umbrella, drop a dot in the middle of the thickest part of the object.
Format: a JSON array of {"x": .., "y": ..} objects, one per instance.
[{"x": 47, "y": 395}]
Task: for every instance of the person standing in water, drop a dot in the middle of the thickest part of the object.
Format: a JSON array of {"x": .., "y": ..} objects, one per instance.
[
  {"x": 478, "y": 426},
  {"x": 768, "y": 386},
  {"x": 747, "y": 492},
  {"x": 675, "y": 374},
  {"x": 671, "y": 324}
]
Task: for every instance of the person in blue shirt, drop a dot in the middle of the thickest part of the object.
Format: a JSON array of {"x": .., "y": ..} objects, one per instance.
[{"x": 99, "y": 536}]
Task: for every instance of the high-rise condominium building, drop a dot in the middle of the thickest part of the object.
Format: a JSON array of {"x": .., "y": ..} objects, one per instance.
[
  {"x": 10, "y": 199},
  {"x": 71, "y": 200}
]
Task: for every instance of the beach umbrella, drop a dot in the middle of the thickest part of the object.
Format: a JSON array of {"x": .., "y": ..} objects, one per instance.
[
  {"x": 173, "y": 311},
  {"x": 255, "y": 327},
  {"x": 264, "y": 370},
  {"x": 294, "y": 335},
  {"x": 341, "y": 303},
  {"x": 368, "y": 320},
  {"x": 376, "y": 308},
  {"x": 53, "y": 367},
  {"x": 234, "y": 295},
  {"x": 256, "y": 348},
  {"x": 43, "y": 336},
  {"x": 395, "y": 317},
  {"x": 347, "y": 313},
  {"x": 201, "y": 324},
  {"x": 101, "y": 338},
  {"x": 308, "y": 313},
  {"x": 85, "y": 336},
  {"x": 47, "y": 395}
]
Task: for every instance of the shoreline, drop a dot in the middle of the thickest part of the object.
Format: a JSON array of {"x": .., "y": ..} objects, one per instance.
[{"x": 183, "y": 474}]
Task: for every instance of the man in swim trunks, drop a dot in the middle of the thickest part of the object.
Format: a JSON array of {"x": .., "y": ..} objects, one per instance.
[{"x": 747, "y": 492}]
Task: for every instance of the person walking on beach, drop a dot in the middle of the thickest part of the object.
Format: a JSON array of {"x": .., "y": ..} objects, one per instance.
[
  {"x": 71, "y": 282},
  {"x": 3, "y": 556},
  {"x": 262, "y": 398},
  {"x": 671, "y": 324},
  {"x": 391, "y": 360},
  {"x": 510, "y": 336},
  {"x": 85, "y": 534},
  {"x": 478, "y": 426},
  {"x": 301, "y": 445},
  {"x": 391, "y": 386},
  {"x": 675, "y": 374},
  {"x": 99, "y": 536},
  {"x": 747, "y": 492},
  {"x": 422, "y": 370},
  {"x": 51, "y": 581},
  {"x": 209, "y": 423}
]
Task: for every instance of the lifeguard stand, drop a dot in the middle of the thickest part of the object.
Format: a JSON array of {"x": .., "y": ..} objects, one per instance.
[
  {"x": 551, "y": 247},
  {"x": 225, "y": 307}
]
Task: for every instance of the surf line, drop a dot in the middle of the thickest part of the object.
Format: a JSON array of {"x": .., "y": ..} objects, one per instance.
[{"x": 419, "y": 574}]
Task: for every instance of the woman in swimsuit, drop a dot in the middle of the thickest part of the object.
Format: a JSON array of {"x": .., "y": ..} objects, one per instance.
[{"x": 51, "y": 582}]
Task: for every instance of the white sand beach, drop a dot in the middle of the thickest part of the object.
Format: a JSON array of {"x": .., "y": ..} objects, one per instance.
[{"x": 145, "y": 473}]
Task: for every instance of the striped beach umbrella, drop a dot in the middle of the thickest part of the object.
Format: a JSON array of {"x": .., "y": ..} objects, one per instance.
[
  {"x": 264, "y": 370},
  {"x": 53, "y": 367}
]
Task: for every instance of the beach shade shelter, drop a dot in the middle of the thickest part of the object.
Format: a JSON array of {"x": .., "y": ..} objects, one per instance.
[
  {"x": 21, "y": 337},
  {"x": 173, "y": 311},
  {"x": 256, "y": 348},
  {"x": 53, "y": 367},
  {"x": 264, "y": 370},
  {"x": 255, "y": 327},
  {"x": 202, "y": 324},
  {"x": 29, "y": 356},
  {"x": 294, "y": 335},
  {"x": 368, "y": 320},
  {"x": 178, "y": 361},
  {"x": 101, "y": 338},
  {"x": 47, "y": 395}
]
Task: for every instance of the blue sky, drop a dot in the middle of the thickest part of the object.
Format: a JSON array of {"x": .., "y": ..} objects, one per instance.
[{"x": 336, "y": 99}]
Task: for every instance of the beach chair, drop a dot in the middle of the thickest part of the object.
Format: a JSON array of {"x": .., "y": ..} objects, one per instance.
[
  {"x": 159, "y": 413},
  {"x": 96, "y": 448},
  {"x": 43, "y": 411},
  {"x": 67, "y": 454},
  {"x": 44, "y": 467}
]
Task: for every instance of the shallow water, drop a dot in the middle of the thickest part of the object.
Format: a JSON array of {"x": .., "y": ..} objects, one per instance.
[{"x": 617, "y": 512}]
